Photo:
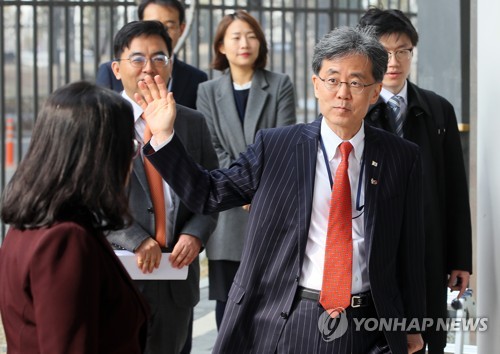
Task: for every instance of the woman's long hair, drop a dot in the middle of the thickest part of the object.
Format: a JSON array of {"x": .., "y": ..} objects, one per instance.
[{"x": 77, "y": 164}]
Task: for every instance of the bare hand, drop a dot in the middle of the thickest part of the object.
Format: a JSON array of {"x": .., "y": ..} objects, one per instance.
[
  {"x": 246, "y": 207},
  {"x": 415, "y": 342},
  {"x": 185, "y": 251},
  {"x": 459, "y": 279},
  {"x": 148, "y": 255},
  {"x": 158, "y": 105}
]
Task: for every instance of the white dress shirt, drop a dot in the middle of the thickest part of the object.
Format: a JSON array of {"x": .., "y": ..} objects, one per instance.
[{"x": 312, "y": 268}]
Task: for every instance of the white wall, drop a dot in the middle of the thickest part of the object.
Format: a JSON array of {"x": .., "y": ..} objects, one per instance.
[{"x": 488, "y": 173}]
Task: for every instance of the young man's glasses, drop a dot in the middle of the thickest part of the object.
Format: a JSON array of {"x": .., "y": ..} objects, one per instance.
[{"x": 402, "y": 54}]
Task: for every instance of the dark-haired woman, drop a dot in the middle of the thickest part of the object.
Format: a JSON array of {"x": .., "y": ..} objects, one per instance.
[
  {"x": 62, "y": 289},
  {"x": 245, "y": 99}
]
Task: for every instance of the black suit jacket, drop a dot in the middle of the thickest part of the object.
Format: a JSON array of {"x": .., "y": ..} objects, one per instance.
[
  {"x": 276, "y": 175},
  {"x": 431, "y": 124},
  {"x": 185, "y": 80}
]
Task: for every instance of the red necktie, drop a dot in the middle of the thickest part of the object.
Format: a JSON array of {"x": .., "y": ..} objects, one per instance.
[
  {"x": 155, "y": 183},
  {"x": 337, "y": 273}
]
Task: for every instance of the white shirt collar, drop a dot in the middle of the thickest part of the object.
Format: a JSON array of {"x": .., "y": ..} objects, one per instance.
[
  {"x": 137, "y": 109},
  {"x": 332, "y": 141},
  {"x": 386, "y": 94}
]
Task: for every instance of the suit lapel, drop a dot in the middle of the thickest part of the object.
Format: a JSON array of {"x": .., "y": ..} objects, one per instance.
[
  {"x": 256, "y": 102},
  {"x": 140, "y": 173},
  {"x": 227, "y": 109},
  {"x": 374, "y": 162},
  {"x": 306, "y": 154}
]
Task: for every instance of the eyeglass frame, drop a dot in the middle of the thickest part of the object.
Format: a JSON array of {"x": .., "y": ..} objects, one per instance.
[
  {"x": 166, "y": 57},
  {"x": 332, "y": 89},
  {"x": 396, "y": 53}
]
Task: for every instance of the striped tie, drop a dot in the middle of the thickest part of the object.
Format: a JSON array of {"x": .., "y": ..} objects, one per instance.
[
  {"x": 337, "y": 272},
  {"x": 395, "y": 106}
]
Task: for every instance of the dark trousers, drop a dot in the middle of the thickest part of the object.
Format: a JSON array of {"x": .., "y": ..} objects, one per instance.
[
  {"x": 308, "y": 331},
  {"x": 189, "y": 340}
]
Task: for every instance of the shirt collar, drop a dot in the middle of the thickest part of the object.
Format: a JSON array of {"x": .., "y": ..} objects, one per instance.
[
  {"x": 332, "y": 141},
  {"x": 386, "y": 94},
  {"x": 137, "y": 109}
]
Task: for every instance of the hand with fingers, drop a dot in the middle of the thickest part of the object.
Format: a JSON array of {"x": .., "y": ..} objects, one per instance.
[
  {"x": 185, "y": 251},
  {"x": 148, "y": 255},
  {"x": 158, "y": 105},
  {"x": 459, "y": 280}
]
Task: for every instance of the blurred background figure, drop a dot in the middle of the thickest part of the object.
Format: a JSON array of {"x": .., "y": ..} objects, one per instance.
[
  {"x": 428, "y": 120},
  {"x": 62, "y": 289},
  {"x": 245, "y": 99},
  {"x": 185, "y": 78}
]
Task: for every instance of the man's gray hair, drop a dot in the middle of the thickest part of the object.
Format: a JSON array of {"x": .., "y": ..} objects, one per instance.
[{"x": 346, "y": 41}]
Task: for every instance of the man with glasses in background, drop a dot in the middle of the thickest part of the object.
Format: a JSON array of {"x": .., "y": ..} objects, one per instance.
[
  {"x": 428, "y": 120},
  {"x": 162, "y": 223},
  {"x": 185, "y": 78}
]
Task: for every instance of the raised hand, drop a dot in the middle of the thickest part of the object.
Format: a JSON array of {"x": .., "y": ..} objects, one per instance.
[{"x": 158, "y": 105}]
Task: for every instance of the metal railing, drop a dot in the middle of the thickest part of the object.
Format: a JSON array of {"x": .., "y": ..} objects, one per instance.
[{"x": 48, "y": 43}]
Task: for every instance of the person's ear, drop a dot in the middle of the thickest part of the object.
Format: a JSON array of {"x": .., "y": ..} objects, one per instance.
[
  {"x": 182, "y": 27},
  {"x": 376, "y": 93},
  {"x": 315, "y": 82},
  {"x": 115, "y": 65}
]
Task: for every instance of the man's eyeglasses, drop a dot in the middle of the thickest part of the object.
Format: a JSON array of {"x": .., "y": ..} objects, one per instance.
[
  {"x": 333, "y": 84},
  {"x": 401, "y": 54},
  {"x": 140, "y": 61},
  {"x": 136, "y": 148}
]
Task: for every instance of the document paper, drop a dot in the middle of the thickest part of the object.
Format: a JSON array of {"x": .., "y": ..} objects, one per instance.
[{"x": 164, "y": 272}]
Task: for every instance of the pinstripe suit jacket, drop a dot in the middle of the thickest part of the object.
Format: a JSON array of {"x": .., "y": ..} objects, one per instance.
[{"x": 276, "y": 174}]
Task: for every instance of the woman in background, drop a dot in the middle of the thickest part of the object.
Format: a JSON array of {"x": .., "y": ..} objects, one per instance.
[
  {"x": 62, "y": 289},
  {"x": 245, "y": 99}
]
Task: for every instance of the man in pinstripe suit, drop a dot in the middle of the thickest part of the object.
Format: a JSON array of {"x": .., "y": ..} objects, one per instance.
[{"x": 273, "y": 303}]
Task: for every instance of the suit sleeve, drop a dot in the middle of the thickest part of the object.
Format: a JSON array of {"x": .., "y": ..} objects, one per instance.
[
  {"x": 202, "y": 226},
  {"x": 285, "y": 114},
  {"x": 129, "y": 238},
  {"x": 458, "y": 219},
  {"x": 65, "y": 283},
  {"x": 203, "y": 191},
  {"x": 412, "y": 248}
]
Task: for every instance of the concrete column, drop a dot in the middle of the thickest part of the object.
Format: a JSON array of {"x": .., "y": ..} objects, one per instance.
[{"x": 488, "y": 173}]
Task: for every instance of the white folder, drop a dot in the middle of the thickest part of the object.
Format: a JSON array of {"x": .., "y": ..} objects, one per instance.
[{"x": 164, "y": 272}]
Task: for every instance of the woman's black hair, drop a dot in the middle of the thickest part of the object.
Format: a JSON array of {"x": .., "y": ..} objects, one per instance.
[{"x": 77, "y": 164}]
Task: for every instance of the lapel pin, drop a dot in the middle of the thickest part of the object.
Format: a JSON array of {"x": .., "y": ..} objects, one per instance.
[
  {"x": 373, "y": 181},
  {"x": 374, "y": 163}
]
